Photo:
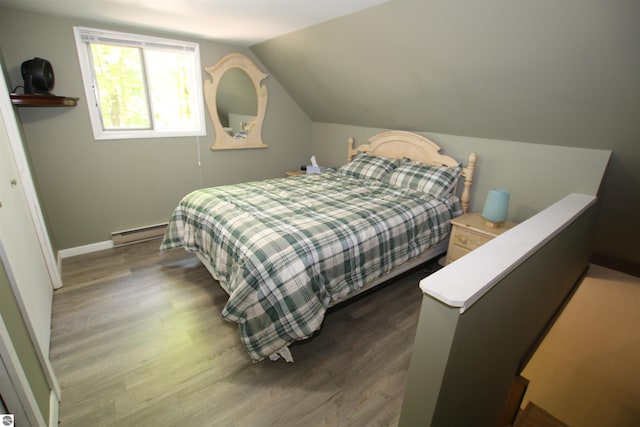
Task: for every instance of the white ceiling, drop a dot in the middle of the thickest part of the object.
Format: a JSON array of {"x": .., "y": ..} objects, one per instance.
[{"x": 240, "y": 22}]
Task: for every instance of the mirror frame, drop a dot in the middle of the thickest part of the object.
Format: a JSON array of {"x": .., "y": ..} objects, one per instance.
[{"x": 224, "y": 141}]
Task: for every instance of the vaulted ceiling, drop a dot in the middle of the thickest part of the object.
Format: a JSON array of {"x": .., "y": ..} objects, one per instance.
[
  {"x": 562, "y": 73},
  {"x": 235, "y": 22}
]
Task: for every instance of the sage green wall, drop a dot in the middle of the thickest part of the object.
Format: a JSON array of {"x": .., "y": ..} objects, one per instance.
[
  {"x": 540, "y": 71},
  {"x": 89, "y": 188},
  {"x": 463, "y": 365},
  {"x": 23, "y": 345},
  {"x": 537, "y": 175}
]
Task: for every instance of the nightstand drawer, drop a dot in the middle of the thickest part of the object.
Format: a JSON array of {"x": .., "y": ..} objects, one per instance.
[
  {"x": 468, "y": 239},
  {"x": 468, "y": 232},
  {"x": 455, "y": 252}
]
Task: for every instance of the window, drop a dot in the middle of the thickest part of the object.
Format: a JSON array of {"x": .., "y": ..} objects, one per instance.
[{"x": 140, "y": 86}]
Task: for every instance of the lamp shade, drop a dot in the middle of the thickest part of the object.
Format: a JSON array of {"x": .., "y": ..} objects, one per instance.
[{"x": 496, "y": 207}]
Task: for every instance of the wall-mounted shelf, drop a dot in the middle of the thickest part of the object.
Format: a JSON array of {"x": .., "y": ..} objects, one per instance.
[{"x": 43, "y": 101}]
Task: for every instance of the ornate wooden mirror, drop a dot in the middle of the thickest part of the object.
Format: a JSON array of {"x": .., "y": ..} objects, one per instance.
[{"x": 237, "y": 101}]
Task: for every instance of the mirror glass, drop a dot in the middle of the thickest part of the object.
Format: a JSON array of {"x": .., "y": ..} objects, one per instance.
[{"x": 237, "y": 101}]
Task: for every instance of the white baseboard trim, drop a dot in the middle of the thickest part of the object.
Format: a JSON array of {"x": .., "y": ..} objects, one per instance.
[{"x": 85, "y": 249}]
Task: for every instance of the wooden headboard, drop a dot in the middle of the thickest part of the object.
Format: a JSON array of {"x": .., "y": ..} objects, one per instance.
[{"x": 398, "y": 144}]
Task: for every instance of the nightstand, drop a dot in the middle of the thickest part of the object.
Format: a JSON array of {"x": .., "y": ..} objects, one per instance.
[
  {"x": 295, "y": 173},
  {"x": 469, "y": 232}
]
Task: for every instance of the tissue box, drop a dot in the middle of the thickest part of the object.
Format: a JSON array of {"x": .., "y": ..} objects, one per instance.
[{"x": 315, "y": 169}]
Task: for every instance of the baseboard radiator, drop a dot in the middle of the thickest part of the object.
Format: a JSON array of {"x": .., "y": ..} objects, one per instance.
[{"x": 137, "y": 235}]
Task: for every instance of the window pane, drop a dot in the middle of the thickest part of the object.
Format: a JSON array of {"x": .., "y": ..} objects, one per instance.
[
  {"x": 170, "y": 87},
  {"x": 140, "y": 86},
  {"x": 119, "y": 76}
]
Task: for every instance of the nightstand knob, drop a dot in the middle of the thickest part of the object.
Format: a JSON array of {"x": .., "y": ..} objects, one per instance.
[{"x": 463, "y": 239}]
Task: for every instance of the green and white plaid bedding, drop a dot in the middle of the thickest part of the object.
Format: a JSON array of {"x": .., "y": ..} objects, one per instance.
[{"x": 284, "y": 248}]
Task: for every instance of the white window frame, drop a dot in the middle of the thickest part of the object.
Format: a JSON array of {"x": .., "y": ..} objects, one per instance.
[{"x": 84, "y": 36}]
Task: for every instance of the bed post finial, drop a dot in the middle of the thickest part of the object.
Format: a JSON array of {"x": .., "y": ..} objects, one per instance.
[
  {"x": 468, "y": 181},
  {"x": 350, "y": 152}
]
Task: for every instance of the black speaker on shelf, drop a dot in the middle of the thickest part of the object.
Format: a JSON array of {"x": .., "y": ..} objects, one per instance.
[{"x": 38, "y": 76}]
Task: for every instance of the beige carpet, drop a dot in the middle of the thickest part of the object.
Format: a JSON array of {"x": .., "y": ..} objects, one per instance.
[{"x": 586, "y": 372}]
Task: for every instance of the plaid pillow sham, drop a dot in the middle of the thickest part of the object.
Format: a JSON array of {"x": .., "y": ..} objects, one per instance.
[
  {"x": 434, "y": 180},
  {"x": 367, "y": 166}
]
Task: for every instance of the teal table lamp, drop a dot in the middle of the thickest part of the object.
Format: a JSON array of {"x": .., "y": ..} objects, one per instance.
[{"x": 496, "y": 207}]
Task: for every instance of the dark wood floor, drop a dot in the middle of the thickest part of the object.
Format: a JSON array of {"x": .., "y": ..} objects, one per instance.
[{"x": 138, "y": 340}]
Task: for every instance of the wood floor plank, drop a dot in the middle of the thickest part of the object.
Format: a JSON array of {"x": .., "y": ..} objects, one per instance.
[{"x": 137, "y": 339}]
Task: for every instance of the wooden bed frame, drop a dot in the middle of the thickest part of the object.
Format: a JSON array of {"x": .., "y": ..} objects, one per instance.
[{"x": 400, "y": 144}]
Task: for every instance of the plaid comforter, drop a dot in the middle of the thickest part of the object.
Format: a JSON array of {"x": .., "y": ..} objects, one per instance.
[{"x": 285, "y": 248}]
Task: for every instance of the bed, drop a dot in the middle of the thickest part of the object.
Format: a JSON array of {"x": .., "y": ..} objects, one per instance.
[{"x": 287, "y": 249}]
